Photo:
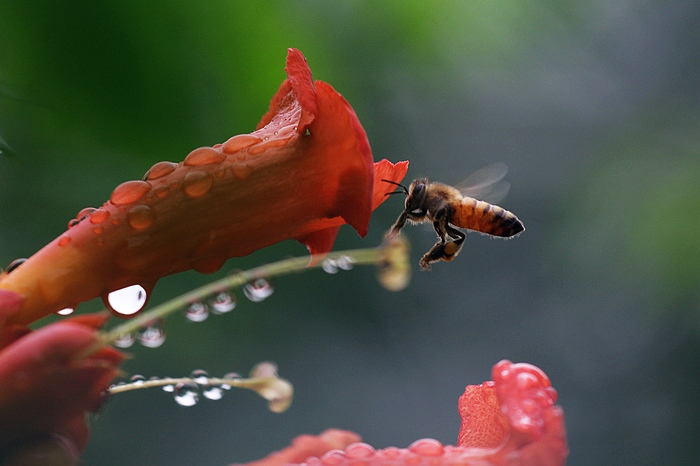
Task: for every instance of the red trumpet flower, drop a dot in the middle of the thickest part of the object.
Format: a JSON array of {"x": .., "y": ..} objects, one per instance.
[{"x": 305, "y": 171}]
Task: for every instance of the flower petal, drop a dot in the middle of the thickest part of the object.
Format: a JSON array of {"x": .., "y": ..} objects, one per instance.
[
  {"x": 306, "y": 170},
  {"x": 305, "y": 446},
  {"x": 45, "y": 388}
]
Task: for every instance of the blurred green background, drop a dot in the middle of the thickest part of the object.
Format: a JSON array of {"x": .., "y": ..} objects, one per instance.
[{"x": 594, "y": 106}]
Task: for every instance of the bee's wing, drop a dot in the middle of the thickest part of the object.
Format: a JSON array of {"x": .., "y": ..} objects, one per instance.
[{"x": 486, "y": 184}]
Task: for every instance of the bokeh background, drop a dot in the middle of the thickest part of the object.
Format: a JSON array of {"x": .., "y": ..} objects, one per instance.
[{"x": 594, "y": 107}]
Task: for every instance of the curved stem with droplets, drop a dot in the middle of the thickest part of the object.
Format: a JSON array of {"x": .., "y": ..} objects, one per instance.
[{"x": 372, "y": 256}]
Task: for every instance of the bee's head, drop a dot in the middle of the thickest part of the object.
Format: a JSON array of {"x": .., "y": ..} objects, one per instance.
[{"x": 417, "y": 191}]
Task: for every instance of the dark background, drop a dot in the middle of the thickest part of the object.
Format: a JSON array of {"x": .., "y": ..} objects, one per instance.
[{"x": 594, "y": 107}]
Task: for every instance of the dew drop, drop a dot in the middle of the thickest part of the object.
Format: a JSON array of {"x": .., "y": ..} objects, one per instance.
[
  {"x": 329, "y": 266},
  {"x": 170, "y": 388},
  {"x": 137, "y": 379},
  {"x": 98, "y": 230},
  {"x": 161, "y": 192},
  {"x": 223, "y": 302},
  {"x": 204, "y": 156},
  {"x": 99, "y": 216},
  {"x": 159, "y": 170},
  {"x": 127, "y": 301},
  {"x": 73, "y": 222},
  {"x": 140, "y": 217},
  {"x": 200, "y": 376},
  {"x": 152, "y": 335},
  {"x": 230, "y": 376},
  {"x": 345, "y": 262},
  {"x": 239, "y": 142},
  {"x": 65, "y": 311},
  {"x": 85, "y": 213},
  {"x": 125, "y": 340},
  {"x": 129, "y": 192},
  {"x": 427, "y": 447},
  {"x": 186, "y": 394},
  {"x": 64, "y": 240},
  {"x": 242, "y": 171},
  {"x": 359, "y": 450},
  {"x": 197, "y": 183},
  {"x": 258, "y": 289},
  {"x": 212, "y": 392},
  {"x": 197, "y": 312}
]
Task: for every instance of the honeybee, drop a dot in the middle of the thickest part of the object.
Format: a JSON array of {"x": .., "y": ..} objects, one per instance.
[{"x": 448, "y": 207}]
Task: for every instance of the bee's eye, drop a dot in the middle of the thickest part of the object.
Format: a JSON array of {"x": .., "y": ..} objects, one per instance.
[{"x": 14, "y": 264}]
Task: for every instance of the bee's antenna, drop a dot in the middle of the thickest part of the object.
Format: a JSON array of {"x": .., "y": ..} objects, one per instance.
[{"x": 405, "y": 191}]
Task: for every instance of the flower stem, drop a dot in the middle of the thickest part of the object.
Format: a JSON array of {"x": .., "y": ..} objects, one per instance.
[{"x": 370, "y": 256}]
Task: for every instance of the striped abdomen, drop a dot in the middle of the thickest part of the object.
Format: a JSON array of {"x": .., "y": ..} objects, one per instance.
[{"x": 485, "y": 218}]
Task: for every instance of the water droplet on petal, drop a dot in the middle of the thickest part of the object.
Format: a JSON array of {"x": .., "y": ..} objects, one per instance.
[
  {"x": 197, "y": 183},
  {"x": 427, "y": 447},
  {"x": 140, "y": 217},
  {"x": 159, "y": 170},
  {"x": 223, "y": 302},
  {"x": 359, "y": 450},
  {"x": 186, "y": 394},
  {"x": 99, "y": 216},
  {"x": 125, "y": 341},
  {"x": 329, "y": 266},
  {"x": 242, "y": 171},
  {"x": 239, "y": 142},
  {"x": 197, "y": 312},
  {"x": 258, "y": 289},
  {"x": 73, "y": 222},
  {"x": 64, "y": 240},
  {"x": 161, "y": 192},
  {"x": 127, "y": 301},
  {"x": 129, "y": 192},
  {"x": 153, "y": 334},
  {"x": 66, "y": 311},
  {"x": 204, "y": 156}
]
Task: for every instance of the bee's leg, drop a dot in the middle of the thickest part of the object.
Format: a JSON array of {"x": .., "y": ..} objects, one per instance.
[
  {"x": 398, "y": 225},
  {"x": 443, "y": 249}
]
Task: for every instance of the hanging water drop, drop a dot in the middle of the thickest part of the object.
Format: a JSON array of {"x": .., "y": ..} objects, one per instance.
[
  {"x": 170, "y": 388},
  {"x": 186, "y": 394},
  {"x": 231, "y": 376},
  {"x": 329, "y": 266},
  {"x": 152, "y": 335},
  {"x": 125, "y": 340},
  {"x": 197, "y": 312},
  {"x": 127, "y": 301},
  {"x": 65, "y": 311},
  {"x": 258, "y": 289},
  {"x": 212, "y": 392},
  {"x": 223, "y": 302},
  {"x": 345, "y": 262}
]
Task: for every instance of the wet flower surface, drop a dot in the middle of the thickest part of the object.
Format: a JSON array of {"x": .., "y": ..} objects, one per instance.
[
  {"x": 511, "y": 420},
  {"x": 303, "y": 173}
]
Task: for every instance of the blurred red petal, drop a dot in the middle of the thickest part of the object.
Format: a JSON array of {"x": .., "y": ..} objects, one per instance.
[
  {"x": 306, "y": 170},
  {"x": 45, "y": 387}
]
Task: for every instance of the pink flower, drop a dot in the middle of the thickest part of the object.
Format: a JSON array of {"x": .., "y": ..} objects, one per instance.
[{"x": 511, "y": 420}]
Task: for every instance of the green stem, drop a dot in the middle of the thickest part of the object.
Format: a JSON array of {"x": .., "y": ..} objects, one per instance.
[{"x": 369, "y": 256}]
